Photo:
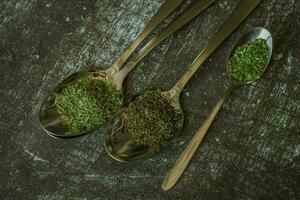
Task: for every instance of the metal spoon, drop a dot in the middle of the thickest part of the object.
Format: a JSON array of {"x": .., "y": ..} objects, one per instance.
[
  {"x": 50, "y": 119},
  {"x": 123, "y": 148},
  {"x": 184, "y": 159}
]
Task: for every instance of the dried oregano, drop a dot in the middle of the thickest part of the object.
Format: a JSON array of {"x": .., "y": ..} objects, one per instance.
[{"x": 150, "y": 119}]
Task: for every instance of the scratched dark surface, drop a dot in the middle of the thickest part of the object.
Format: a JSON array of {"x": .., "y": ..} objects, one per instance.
[{"x": 252, "y": 151}]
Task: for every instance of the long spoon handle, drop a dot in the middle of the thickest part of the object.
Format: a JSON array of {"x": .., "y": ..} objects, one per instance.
[
  {"x": 187, "y": 16},
  {"x": 240, "y": 13},
  {"x": 162, "y": 13},
  {"x": 185, "y": 157}
]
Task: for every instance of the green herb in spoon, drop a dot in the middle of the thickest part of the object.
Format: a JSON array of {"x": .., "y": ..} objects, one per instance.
[
  {"x": 150, "y": 119},
  {"x": 249, "y": 60},
  {"x": 87, "y": 103}
]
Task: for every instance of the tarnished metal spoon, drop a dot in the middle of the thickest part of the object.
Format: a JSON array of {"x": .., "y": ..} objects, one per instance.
[
  {"x": 182, "y": 162},
  {"x": 50, "y": 119},
  {"x": 123, "y": 148}
]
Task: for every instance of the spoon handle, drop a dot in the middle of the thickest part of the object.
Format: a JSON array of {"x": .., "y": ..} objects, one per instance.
[
  {"x": 239, "y": 14},
  {"x": 162, "y": 13},
  {"x": 185, "y": 157},
  {"x": 184, "y": 18}
]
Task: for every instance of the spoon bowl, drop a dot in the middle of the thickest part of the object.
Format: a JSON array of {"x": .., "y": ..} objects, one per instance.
[
  {"x": 122, "y": 147},
  {"x": 48, "y": 115},
  {"x": 254, "y": 34}
]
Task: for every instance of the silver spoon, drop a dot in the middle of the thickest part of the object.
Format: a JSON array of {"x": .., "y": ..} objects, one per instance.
[
  {"x": 50, "y": 119},
  {"x": 184, "y": 159},
  {"x": 123, "y": 148}
]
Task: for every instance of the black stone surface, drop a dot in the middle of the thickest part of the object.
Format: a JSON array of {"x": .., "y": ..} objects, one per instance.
[{"x": 252, "y": 151}]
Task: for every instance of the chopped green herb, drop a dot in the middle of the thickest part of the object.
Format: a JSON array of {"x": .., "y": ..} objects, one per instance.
[
  {"x": 87, "y": 103},
  {"x": 150, "y": 119},
  {"x": 141, "y": 72},
  {"x": 249, "y": 60}
]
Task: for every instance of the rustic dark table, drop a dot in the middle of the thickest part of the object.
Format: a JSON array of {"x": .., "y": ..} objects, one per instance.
[{"x": 252, "y": 151}]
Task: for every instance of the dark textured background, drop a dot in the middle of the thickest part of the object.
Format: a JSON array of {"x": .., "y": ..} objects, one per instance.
[{"x": 251, "y": 152}]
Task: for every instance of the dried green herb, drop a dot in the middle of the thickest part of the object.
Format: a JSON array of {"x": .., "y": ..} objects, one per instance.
[
  {"x": 150, "y": 119},
  {"x": 87, "y": 103},
  {"x": 249, "y": 60}
]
